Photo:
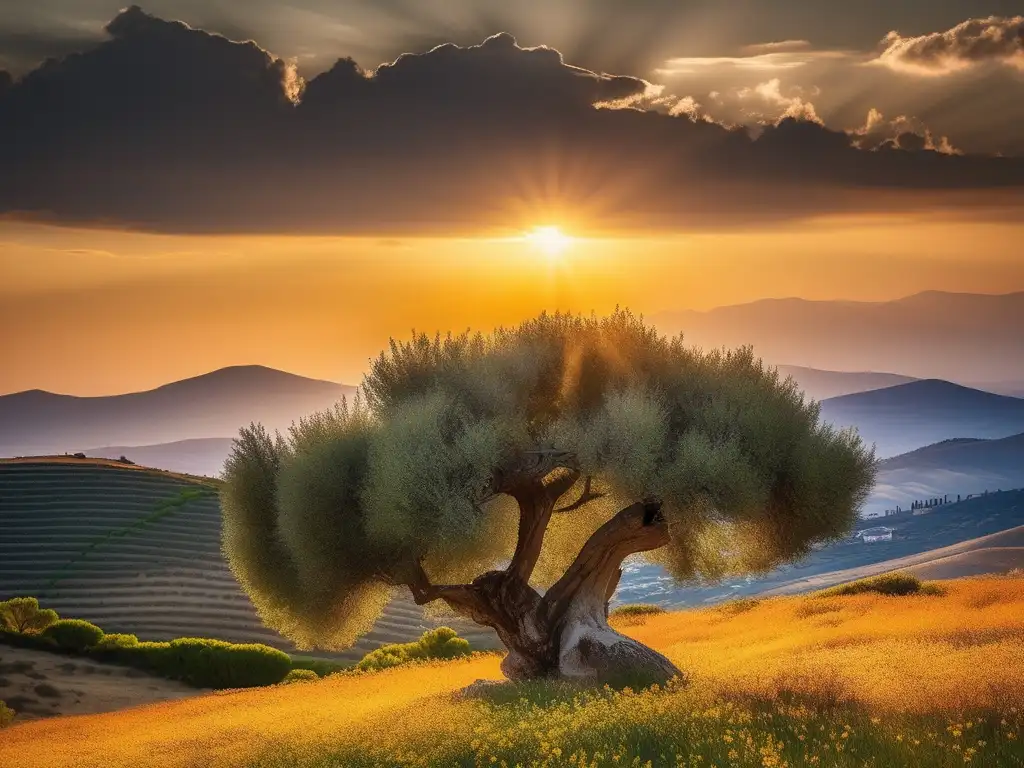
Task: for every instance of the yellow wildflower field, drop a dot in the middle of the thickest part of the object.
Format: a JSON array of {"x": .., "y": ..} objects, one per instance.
[{"x": 919, "y": 680}]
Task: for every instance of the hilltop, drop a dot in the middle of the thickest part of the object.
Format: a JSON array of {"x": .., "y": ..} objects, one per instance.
[
  {"x": 216, "y": 404},
  {"x": 136, "y": 550},
  {"x": 822, "y": 385},
  {"x": 909, "y": 416}
]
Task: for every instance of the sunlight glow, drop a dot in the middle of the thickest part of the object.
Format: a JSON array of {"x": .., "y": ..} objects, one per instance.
[{"x": 551, "y": 240}]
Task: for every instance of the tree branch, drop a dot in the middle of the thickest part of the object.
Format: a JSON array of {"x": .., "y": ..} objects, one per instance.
[
  {"x": 586, "y": 497},
  {"x": 594, "y": 573},
  {"x": 527, "y": 469},
  {"x": 535, "y": 507},
  {"x": 424, "y": 592},
  {"x": 523, "y": 479}
]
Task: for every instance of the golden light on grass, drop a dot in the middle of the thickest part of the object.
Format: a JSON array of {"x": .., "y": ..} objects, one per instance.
[
  {"x": 837, "y": 672},
  {"x": 549, "y": 240}
]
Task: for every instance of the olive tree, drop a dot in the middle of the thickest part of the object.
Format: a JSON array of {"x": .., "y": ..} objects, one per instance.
[{"x": 506, "y": 477}]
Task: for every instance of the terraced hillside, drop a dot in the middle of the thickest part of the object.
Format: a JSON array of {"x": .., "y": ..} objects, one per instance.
[{"x": 136, "y": 550}]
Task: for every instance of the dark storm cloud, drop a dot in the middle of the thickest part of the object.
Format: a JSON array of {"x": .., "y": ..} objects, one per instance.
[
  {"x": 975, "y": 41},
  {"x": 171, "y": 128}
]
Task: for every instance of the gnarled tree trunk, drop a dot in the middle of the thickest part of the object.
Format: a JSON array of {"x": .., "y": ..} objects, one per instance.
[{"x": 563, "y": 634}]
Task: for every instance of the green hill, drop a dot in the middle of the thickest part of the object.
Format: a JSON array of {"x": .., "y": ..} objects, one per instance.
[{"x": 138, "y": 550}]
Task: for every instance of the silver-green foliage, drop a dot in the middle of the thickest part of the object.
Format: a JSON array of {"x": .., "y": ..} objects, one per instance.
[{"x": 321, "y": 526}]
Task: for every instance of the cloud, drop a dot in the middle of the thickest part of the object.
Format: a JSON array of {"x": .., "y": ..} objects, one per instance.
[
  {"x": 994, "y": 39},
  {"x": 790, "y": 106},
  {"x": 782, "y": 46},
  {"x": 763, "y": 57},
  {"x": 902, "y": 132},
  {"x": 170, "y": 128}
]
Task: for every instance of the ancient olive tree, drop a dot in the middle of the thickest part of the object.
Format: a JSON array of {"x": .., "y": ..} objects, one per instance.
[{"x": 507, "y": 477}]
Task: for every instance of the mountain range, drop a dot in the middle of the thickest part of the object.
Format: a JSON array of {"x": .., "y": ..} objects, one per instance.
[
  {"x": 909, "y": 416},
  {"x": 957, "y": 467},
  {"x": 216, "y": 404},
  {"x": 972, "y": 339},
  {"x": 187, "y": 426}
]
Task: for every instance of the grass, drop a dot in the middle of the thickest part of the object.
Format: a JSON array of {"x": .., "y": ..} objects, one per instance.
[
  {"x": 893, "y": 584},
  {"x": 635, "y": 613},
  {"x": 865, "y": 679}
]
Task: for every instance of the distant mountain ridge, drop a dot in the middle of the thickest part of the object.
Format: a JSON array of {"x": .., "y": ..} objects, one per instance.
[
  {"x": 215, "y": 404},
  {"x": 955, "y": 467},
  {"x": 908, "y": 416},
  {"x": 199, "y": 456},
  {"x": 954, "y": 336},
  {"x": 822, "y": 385}
]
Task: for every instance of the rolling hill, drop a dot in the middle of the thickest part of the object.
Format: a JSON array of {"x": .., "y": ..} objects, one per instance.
[
  {"x": 913, "y": 535},
  {"x": 138, "y": 550},
  {"x": 202, "y": 456},
  {"x": 135, "y": 550},
  {"x": 215, "y": 404},
  {"x": 822, "y": 385},
  {"x": 955, "y": 336},
  {"x": 955, "y": 467},
  {"x": 909, "y": 416}
]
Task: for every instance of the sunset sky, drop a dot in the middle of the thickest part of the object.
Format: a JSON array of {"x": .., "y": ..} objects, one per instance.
[{"x": 173, "y": 203}]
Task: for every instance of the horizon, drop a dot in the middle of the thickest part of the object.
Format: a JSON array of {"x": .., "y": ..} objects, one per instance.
[
  {"x": 187, "y": 374},
  {"x": 252, "y": 195}
]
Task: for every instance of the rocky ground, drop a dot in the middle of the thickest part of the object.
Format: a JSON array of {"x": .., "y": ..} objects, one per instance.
[{"x": 36, "y": 684}]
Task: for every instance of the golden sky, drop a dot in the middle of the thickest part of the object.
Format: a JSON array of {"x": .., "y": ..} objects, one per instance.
[{"x": 94, "y": 312}]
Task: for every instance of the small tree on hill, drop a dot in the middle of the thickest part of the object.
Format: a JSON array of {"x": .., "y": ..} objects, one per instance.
[
  {"x": 507, "y": 477},
  {"x": 23, "y": 614}
]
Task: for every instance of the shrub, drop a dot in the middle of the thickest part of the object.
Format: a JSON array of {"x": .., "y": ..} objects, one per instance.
[
  {"x": 739, "y": 605},
  {"x": 23, "y": 614},
  {"x": 301, "y": 676},
  {"x": 208, "y": 663},
  {"x": 635, "y": 613},
  {"x": 109, "y": 642},
  {"x": 322, "y": 667},
  {"x": 894, "y": 584},
  {"x": 74, "y": 634},
  {"x": 6, "y": 715},
  {"x": 440, "y": 643}
]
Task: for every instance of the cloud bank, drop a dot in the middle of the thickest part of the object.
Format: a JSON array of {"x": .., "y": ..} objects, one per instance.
[
  {"x": 169, "y": 128},
  {"x": 995, "y": 39}
]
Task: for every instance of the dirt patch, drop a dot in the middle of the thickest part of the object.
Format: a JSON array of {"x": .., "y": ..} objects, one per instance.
[{"x": 37, "y": 684}]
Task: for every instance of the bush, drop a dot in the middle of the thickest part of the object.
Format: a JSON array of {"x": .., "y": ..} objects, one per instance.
[
  {"x": 322, "y": 667},
  {"x": 738, "y": 605},
  {"x": 440, "y": 643},
  {"x": 23, "y": 614},
  {"x": 893, "y": 584},
  {"x": 208, "y": 663},
  {"x": 110, "y": 642},
  {"x": 34, "y": 640},
  {"x": 74, "y": 634},
  {"x": 6, "y": 715},
  {"x": 301, "y": 676},
  {"x": 635, "y": 613}
]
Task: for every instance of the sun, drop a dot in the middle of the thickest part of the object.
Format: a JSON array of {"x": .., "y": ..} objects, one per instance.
[{"x": 550, "y": 240}]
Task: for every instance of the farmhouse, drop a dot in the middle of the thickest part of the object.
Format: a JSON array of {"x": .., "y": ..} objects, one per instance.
[{"x": 871, "y": 535}]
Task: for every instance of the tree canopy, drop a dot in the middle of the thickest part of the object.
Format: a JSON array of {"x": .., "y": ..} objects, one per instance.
[{"x": 416, "y": 480}]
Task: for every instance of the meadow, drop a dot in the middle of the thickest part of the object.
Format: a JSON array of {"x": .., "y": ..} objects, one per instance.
[{"x": 821, "y": 680}]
